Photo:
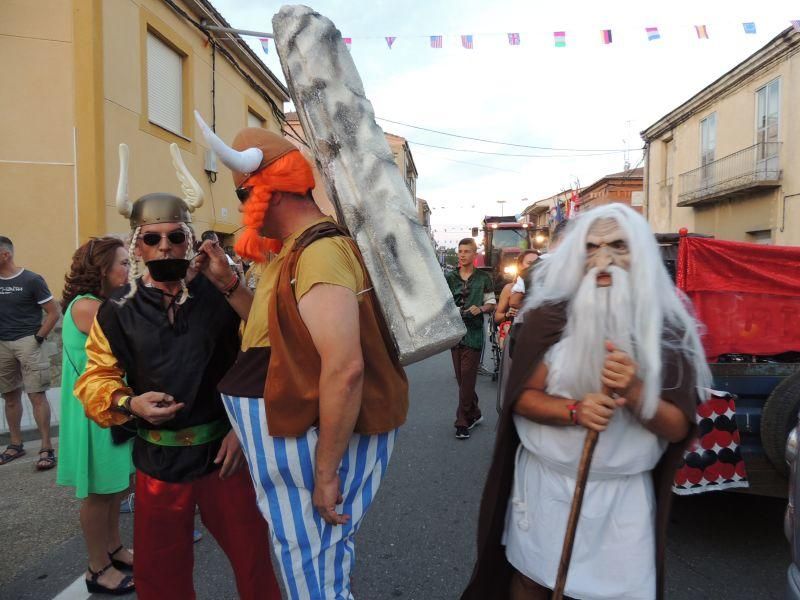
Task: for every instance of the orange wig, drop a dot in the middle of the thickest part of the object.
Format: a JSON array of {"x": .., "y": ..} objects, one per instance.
[{"x": 290, "y": 173}]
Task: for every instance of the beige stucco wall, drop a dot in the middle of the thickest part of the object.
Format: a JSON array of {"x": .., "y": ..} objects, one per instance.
[
  {"x": 36, "y": 134},
  {"x": 736, "y": 130},
  {"x": 60, "y": 98},
  {"x": 151, "y": 168}
]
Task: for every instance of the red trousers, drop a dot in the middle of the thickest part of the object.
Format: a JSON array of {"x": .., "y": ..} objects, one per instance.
[{"x": 162, "y": 535}]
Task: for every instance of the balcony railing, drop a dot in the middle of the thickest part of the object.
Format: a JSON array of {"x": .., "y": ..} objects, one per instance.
[{"x": 753, "y": 168}]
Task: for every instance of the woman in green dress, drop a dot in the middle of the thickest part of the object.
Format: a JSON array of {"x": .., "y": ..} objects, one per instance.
[{"x": 98, "y": 469}]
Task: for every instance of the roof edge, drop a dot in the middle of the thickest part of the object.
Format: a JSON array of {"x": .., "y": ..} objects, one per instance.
[{"x": 785, "y": 43}]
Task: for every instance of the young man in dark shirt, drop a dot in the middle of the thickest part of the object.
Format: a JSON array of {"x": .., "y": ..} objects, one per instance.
[
  {"x": 23, "y": 296},
  {"x": 473, "y": 292}
]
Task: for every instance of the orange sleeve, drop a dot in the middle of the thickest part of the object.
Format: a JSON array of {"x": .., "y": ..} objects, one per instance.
[{"x": 102, "y": 377}]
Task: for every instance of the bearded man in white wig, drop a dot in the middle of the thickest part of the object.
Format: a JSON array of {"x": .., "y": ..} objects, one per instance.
[{"x": 607, "y": 345}]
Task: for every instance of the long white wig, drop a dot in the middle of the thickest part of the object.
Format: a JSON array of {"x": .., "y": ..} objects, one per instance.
[{"x": 660, "y": 314}]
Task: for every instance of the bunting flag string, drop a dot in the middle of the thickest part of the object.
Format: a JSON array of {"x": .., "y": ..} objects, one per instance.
[{"x": 559, "y": 37}]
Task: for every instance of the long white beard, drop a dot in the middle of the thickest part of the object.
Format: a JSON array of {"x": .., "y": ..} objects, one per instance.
[{"x": 594, "y": 315}]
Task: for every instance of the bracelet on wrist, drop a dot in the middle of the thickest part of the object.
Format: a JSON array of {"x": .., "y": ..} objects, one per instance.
[
  {"x": 573, "y": 412},
  {"x": 232, "y": 288}
]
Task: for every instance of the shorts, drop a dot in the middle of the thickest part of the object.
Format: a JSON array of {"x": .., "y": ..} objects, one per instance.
[{"x": 22, "y": 365}]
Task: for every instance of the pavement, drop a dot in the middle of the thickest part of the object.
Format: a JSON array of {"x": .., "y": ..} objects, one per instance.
[{"x": 418, "y": 540}]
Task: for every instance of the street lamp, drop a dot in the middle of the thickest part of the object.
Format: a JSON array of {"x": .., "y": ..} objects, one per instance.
[{"x": 502, "y": 208}]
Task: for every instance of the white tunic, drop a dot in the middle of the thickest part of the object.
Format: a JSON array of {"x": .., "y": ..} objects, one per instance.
[{"x": 614, "y": 552}]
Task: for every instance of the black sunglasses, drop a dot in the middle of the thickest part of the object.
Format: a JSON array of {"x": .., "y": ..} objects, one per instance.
[
  {"x": 243, "y": 193},
  {"x": 154, "y": 239}
]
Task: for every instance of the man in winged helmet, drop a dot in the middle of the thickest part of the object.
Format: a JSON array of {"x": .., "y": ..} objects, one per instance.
[{"x": 155, "y": 354}]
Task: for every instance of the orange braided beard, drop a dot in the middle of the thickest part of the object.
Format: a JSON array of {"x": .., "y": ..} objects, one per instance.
[
  {"x": 290, "y": 173},
  {"x": 251, "y": 245}
]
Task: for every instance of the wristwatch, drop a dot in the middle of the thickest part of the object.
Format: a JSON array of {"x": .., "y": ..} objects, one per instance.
[
  {"x": 124, "y": 406},
  {"x": 39, "y": 339}
]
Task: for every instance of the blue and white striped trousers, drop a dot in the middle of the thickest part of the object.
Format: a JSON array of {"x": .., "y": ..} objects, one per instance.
[{"x": 315, "y": 558}]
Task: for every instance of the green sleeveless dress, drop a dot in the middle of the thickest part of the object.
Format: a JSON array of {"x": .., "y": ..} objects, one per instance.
[{"x": 87, "y": 458}]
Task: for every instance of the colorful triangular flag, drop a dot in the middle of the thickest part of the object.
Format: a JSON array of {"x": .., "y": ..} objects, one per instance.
[
  {"x": 466, "y": 41},
  {"x": 513, "y": 39},
  {"x": 652, "y": 33},
  {"x": 796, "y": 25},
  {"x": 436, "y": 41},
  {"x": 348, "y": 42},
  {"x": 560, "y": 38},
  {"x": 389, "y": 41},
  {"x": 702, "y": 32},
  {"x": 749, "y": 27},
  {"x": 606, "y": 36},
  {"x": 264, "y": 44}
]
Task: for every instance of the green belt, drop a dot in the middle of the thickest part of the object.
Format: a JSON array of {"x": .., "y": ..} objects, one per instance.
[{"x": 190, "y": 436}]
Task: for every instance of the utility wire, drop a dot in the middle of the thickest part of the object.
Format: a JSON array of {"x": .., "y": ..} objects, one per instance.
[
  {"x": 466, "y": 137},
  {"x": 517, "y": 155}
]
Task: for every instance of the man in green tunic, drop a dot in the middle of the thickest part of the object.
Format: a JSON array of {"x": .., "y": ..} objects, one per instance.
[{"x": 474, "y": 295}]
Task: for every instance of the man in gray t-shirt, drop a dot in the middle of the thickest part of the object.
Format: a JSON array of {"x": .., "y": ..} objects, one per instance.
[{"x": 23, "y": 296}]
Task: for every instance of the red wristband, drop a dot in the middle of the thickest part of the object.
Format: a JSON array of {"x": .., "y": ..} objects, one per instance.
[
  {"x": 231, "y": 285},
  {"x": 573, "y": 412}
]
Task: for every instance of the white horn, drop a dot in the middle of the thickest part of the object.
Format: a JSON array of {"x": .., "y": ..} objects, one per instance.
[
  {"x": 192, "y": 192},
  {"x": 245, "y": 161},
  {"x": 123, "y": 201}
]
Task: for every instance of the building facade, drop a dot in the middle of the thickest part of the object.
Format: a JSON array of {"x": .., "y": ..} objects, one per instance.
[
  {"x": 545, "y": 214},
  {"x": 624, "y": 188},
  {"x": 726, "y": 161},
  {"x": 87, "y": 75}
]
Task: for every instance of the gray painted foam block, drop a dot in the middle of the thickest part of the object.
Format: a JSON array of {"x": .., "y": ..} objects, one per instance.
[{"x": 365, "y": 185}]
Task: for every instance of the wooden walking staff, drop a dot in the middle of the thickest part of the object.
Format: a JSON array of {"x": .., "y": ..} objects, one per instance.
[{"x": 575, "y": 511}]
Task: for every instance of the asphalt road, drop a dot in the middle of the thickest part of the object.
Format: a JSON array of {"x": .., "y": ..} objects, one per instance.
[{"x": 417, "y": 542}]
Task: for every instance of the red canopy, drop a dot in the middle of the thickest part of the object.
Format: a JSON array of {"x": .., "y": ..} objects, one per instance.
[{"x": 747, "y": 295}]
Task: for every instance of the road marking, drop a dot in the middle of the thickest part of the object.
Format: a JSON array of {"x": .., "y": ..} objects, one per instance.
[{"x": 75, "y": 591}]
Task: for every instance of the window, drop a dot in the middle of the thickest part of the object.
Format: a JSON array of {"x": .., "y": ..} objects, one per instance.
[
  {"x": 708, "y": 142},
  {"x": 768, "y": 129},
  {"x": 164, "y": 85},
  {"x": 763, "y": 237},
  {"x": 253, "y": 120}
]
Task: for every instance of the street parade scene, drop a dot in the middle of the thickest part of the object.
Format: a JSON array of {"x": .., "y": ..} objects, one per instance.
[{"x": 399, "y": 300}]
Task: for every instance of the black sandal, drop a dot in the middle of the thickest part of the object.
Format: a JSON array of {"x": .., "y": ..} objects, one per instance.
[
  {"x": 118, "y": 564},
  {"x": 125, "y": 586},
  {"x": 46, "y": 462},
  {"x": 6, "y": 457}
]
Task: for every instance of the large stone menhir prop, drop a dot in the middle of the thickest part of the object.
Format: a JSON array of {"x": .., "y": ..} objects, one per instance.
[{"x": 365, "y": 185}]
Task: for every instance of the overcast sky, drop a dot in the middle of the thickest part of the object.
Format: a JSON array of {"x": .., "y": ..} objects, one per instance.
[{"x": 584, "y": 96}]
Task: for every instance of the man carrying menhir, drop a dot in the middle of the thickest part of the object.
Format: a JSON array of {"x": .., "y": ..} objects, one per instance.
[
  {"x": 607, "y": 344},
  {"x": 473, "y": 293},
  {"x": 317, "y": 393}
]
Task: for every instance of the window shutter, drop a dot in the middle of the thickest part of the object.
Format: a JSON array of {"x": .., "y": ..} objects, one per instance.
[
  {"x": 164, "y": 85},
  {"x": 253, "y": 120}
]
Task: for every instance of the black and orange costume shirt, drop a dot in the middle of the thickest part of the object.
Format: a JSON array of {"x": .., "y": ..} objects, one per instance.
[{"x": 134, "y": 347}]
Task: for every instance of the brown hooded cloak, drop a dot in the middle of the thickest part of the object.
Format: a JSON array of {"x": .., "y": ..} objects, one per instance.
[{"x": 541, "y": 329}]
